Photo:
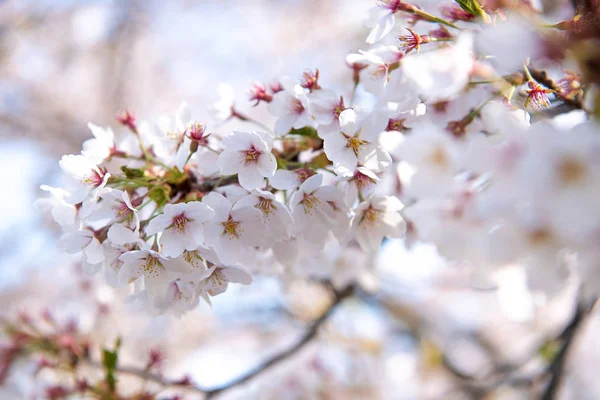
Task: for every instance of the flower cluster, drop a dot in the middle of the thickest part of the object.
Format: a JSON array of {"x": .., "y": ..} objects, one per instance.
[{"x": 437, "y": 124}]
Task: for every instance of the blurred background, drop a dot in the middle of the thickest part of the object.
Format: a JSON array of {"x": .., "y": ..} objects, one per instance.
[{"x": 431, "y": 331}]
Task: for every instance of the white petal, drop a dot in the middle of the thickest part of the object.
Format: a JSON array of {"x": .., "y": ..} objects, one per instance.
[{"x": 230, "y": 162}]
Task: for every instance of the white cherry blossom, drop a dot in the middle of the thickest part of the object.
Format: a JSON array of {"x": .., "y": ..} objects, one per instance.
[
  {"x": 84, "y": 178},
  {"x": 248, "y": 155},
  {"x": 182, "y": 227},
  {"x": 231, "y": 232},
  {"x": 375, "y": 219},
  {"x": 290, "y": 108},
  {"x": 357, "y": 142},
  {"x": 152, "y": 266}
]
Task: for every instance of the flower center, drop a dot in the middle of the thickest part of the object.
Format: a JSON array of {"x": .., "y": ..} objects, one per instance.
[
  {"x": 439, "y": 157},
  {"x": 362, "y": 181},
  {"x": 379, "y": 72},
  {"x": 303, "y": 174},
  {"x": 265, "y": 205},
  {"x": 297, "y": 106},
  {"x": 194, "y": 259},
  {"x": 219, "y": 283},
  {"x": 339, "y": 108},
  {"x": 309, "y": 201},
  {"x": 179, "y": 223},
  {"x": 122, "y": 210},
  {"x": 151, "y": 267},
  {"x": 371, "y": 215},
  {"x": 231, "y": 228},
  {"x": 570, "y": 171},
  {"x": 197, "y": 131},
  {"x": 396, "y": 125},
  {"x": 93, "y": 178},
  {"x": 355, "y": 144},
  {"x": 251, "y": 155}
]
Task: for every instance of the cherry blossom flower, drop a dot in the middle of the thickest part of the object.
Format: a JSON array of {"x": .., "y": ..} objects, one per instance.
[
  {"x": 85, "y": 178},
  {"x": 222, "y": 275},
  {"x": 286, "y": 179},
  {"x": 325, "y": 107},
  {"x": 86, "y": 242},
  {"x": 376, "y": 218},
  {"x": 64, "y": 214},
  {"x": 101, "y": 146},
  {"x": 356, "y": 142},
  {"x": 375, "y": 76},
  {"x": 276, "y": 217},
  {"x": 440, "y": 74},
  {"x": 381, "y": 19},
  {"x": 290, "y": 108},
  {"x": 537, "y": 97},
  {"x": 231, "y": 232},
  {"x": 318, "y": 210},
  {"x": 412, "y": 41},
  {"x": 152, "y": 266},
  {"x": 181, "y": 226},
  {"x": 248, "y": 155}
]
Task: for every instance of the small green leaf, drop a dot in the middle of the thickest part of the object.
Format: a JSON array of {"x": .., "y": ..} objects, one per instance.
[
  {"x": 132, "y": 173},
  {"x": 320, "y": 161},
  {"x": 160, "y": 194},
  {"x": 471, "y": 6},
  {"x": 549, "y": 350},
  {"x": 306, "y": 131}
]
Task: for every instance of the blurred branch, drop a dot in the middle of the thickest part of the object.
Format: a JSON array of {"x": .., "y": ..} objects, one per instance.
[
  {"x": 311, "y": 332},
  {"x": 558, "y": 365}
]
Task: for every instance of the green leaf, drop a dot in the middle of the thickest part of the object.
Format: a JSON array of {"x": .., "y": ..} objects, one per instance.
[
  {"x": 109, "y": 361},
  {"x": 160, "y": 194},
  {"x": 320, "y": 161},
  {"x": 132, "y": 173},
  {"x": 471, "y": 6},
  {"x": 549, "y": 350},
  {"x": 306, "y": 131}
]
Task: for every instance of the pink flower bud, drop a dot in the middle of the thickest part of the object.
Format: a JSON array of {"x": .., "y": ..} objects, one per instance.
[
  {"x": 310, "y": 80},
  {"x": 127, "y": 118},
  {"x": 258, "y": 93}
]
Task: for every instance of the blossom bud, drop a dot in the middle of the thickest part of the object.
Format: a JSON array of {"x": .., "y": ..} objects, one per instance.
[
  {"x": 127, "y": 118},
  {"x": 454, "y": 13},
  {"x": 441, "y": 33},
  {"x": 156, "y": 358},
  {"x": 310, "y": 80},
  {"x": 356, "y": 68},
  {"x": 258, "y": 93},
  {"x": 276, "y": 87}
]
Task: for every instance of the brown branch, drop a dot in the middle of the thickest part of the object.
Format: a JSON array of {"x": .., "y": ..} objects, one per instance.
[{"x": 310, "y": 334}]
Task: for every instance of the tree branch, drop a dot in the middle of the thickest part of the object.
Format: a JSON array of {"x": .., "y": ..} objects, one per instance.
[
  {"x": 558, "y": 365},
  {"x": 310, "y": 333}
]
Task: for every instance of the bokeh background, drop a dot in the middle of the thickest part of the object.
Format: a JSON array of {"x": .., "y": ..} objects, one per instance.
[{"x": 64, "y": 63}]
